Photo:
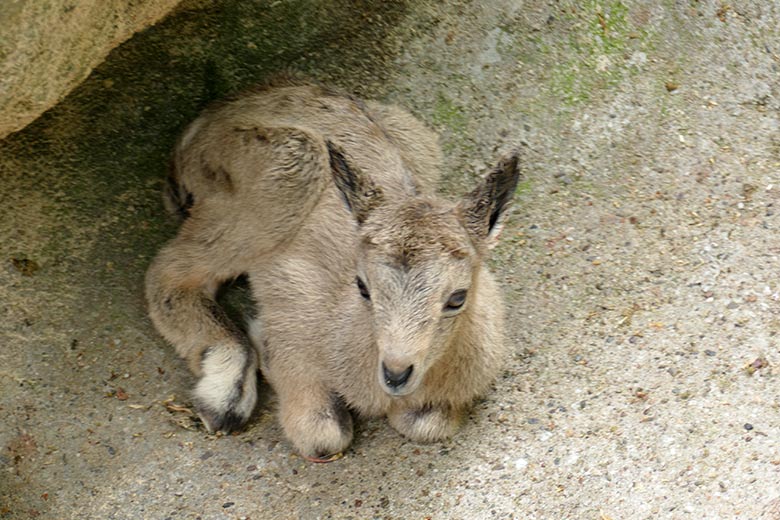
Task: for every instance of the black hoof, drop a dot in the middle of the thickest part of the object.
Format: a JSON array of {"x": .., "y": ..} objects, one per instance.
[{"x": 225, "y": 422}]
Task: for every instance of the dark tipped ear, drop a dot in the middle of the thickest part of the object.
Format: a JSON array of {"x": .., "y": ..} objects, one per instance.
[
  {"x": 358, "y": 190},
  {"x": 484, "y": 207}
]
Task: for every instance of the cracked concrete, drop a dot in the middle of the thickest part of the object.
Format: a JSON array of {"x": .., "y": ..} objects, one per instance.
[{"x": 640, "y": 266}]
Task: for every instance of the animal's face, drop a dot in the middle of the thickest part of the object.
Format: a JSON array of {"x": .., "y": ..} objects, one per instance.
[
  {"x": 417, "y": 264},
  {"x": 415, "y": 273}
]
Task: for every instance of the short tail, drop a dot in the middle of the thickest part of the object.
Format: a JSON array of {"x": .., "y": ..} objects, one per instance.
[{"x": 178, "y": 200}]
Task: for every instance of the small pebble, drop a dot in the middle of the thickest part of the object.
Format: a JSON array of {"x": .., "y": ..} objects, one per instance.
[
  {"x": 228, "y": 504},
  {"x": 748, "y": 426},
  {"x": 709, "y": 352},
  {"x": 758, "y": 364},
  {"x": 25, "y": 266}
]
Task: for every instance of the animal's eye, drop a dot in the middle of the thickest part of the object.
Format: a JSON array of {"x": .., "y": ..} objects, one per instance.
[
  {"x": 456, "y": 301},
  {"x": 362, "y": 288}
]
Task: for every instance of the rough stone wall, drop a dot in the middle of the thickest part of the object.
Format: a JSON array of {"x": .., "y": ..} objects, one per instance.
[{"x": 47, "y": 47}]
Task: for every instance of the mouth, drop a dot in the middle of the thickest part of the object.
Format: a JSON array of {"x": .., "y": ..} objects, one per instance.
[{"x": 397, "y": 392}]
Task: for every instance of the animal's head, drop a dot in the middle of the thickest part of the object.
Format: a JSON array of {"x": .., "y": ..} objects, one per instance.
[{"x": 418, "y": 264}]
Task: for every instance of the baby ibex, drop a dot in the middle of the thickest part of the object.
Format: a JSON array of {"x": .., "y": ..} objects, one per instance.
[{"x": 372, "y": 293}]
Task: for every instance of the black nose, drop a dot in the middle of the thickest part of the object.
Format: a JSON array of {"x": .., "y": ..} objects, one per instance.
[{"x": 396, "y": 379}]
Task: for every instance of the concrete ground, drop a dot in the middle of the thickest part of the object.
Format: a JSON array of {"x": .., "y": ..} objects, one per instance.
[{"x": 640, "y": 266}]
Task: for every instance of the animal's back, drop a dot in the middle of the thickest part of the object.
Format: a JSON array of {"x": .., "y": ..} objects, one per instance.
[{"x": 268, "y": 146}]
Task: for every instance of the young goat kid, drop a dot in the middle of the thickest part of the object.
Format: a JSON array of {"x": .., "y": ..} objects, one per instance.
[{"x": 372, "y": 292}]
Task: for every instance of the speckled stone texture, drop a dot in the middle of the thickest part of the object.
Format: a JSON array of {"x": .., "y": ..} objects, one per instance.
[
  {"x": 47, "y": 47},
  {"x": 640, "y": 267}
]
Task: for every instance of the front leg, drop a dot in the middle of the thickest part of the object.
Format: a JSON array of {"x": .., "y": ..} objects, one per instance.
[
  {"x": 428, "y": 423},
  {"x": 180, "y": 289},
  {"x": 315, "y": 420}
]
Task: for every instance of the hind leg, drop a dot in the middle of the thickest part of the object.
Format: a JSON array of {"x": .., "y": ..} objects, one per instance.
[
  {"x": 226, "y": 392},
  {"x": 244, "y": 190},
  {"x": 180, "y": 290}
]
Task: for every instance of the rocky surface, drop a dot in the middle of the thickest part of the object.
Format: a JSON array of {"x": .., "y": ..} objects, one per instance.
[
  {"x": 47, "y": 48},
  {"x": 640, "y": 267}
]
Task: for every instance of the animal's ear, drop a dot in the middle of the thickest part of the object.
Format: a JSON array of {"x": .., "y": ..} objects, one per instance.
[
  {"x": 482, "y": 209},
  {"x": 358, "y": 190}
]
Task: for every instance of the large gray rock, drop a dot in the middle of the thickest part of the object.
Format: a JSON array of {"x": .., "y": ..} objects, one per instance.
[{"x": 47, "y": 47}]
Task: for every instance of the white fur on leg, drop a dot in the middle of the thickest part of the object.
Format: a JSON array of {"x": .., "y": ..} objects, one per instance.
[
  {"x": 228, "y": 386},
  {"x": 256, "y": 332}
]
